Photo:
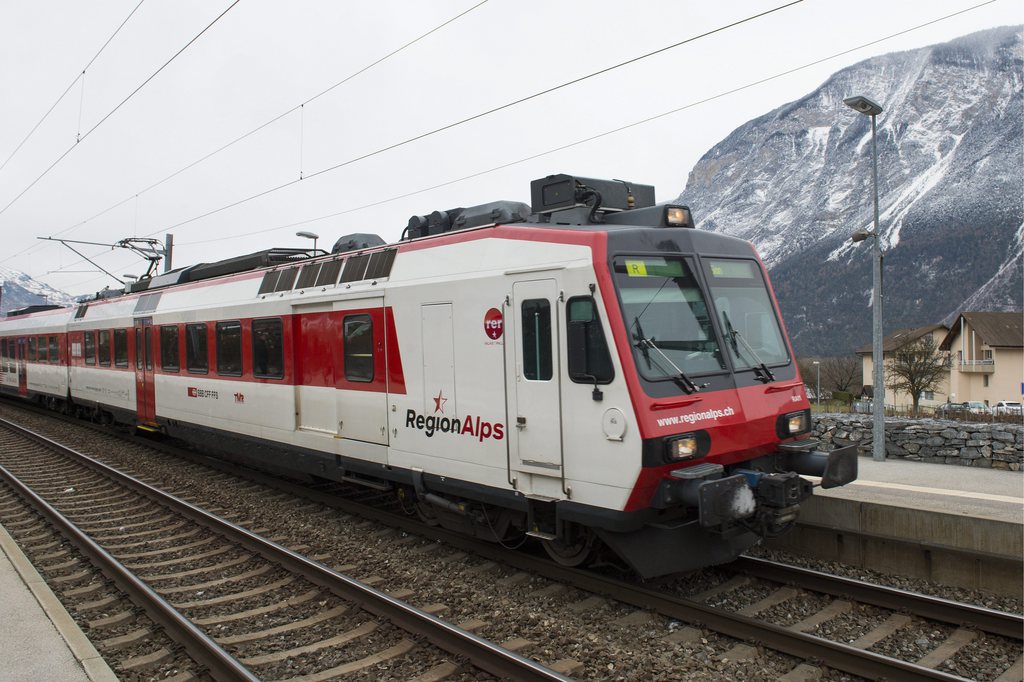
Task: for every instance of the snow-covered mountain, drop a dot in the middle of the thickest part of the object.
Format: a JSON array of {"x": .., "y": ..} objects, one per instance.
[
  {"x": 20, "y": 291},
  {"x": 797, "y": 182}
]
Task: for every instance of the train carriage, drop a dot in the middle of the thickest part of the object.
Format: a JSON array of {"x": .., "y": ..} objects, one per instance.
[{"x": 591, "y": 371}]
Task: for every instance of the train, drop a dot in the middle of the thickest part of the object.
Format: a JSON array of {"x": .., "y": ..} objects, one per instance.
[{"x": 590, "y": 370}]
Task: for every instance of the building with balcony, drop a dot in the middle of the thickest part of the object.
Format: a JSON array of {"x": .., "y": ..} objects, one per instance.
[
  {"x": 986, "y": 353},
  {"x": 901, "y": 400}
]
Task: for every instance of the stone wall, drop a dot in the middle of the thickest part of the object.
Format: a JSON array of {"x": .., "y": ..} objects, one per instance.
[{"x": 992, "y": 446}]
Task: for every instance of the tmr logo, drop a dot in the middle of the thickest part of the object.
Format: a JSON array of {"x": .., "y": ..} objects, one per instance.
[{"x": 469, "y": 426}]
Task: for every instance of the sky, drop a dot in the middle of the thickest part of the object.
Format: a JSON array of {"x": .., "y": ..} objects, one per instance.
[{"x": 444, "y": 104}]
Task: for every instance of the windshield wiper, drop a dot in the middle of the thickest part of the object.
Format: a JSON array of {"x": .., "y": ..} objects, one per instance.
[
  {"x": 644, "y": 343},
  {"x": 764, "y": 374}
]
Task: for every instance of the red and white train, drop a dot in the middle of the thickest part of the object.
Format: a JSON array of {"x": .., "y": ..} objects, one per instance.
[{"x": 592, "y": 372}]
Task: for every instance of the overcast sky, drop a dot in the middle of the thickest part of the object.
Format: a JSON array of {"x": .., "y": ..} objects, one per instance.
[{"x": 263, "y": 58}]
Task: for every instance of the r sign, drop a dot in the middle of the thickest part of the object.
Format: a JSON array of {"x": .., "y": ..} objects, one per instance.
[{"x": 494, "y": 324}]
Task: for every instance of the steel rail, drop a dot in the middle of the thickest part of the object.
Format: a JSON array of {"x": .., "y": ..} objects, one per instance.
[
  {"x": 988, "y": 620},
  {"x": 839, "y": 656},
  {"x": 484, "y": 654},
  {"x": 833, "y": 654},
  {"x": 203, "y": 649}
]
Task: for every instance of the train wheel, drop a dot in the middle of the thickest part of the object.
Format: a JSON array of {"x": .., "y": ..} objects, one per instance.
[{"x": 575, "y": 549}]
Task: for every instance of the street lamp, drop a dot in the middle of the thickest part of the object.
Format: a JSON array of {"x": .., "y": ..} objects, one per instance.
[
  {"x": 309, "y": 235},
  {"x": 865, "y": 106},
  {"x": 817, "y": 392}
]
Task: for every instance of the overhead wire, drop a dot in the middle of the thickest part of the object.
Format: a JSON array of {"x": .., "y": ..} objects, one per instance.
[
  {"x": 448, "y": 126},
  {"x": 116, "y": 108},
  {"x": 80, "y": 75},
  {"x": 273, "y": 120},
  {"x": 480, "y": 115},
  {"x": 581, "y": 141},
  {"x": 597, "y": 136}
]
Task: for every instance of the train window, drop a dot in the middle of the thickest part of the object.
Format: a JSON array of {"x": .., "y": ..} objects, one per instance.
[
  {"x": 358, "y": 348},
  {"x": 90, "y": 348},
  {"x": 745, "y": 313},
  {"x": 149, "y": 347},
  {"x": 138, "y": 348},
  {"x": 229, "y": 348},
  {"x": 589, "y": 359},
  {"x": 536, "y": 324},
  {"x": 54, "y": 350},
  {"x": 41, "y": 349},
  {"x": 667, "y": 317},
  {"x": 328, "y": 276},
  {"x": 3, "y": 348},
  {"x": 267, "y": 349},
  {"x": 120, "y": 347},
  {"x": 169, "y": 348},
  {"x": 196, "y": 357},
  {"x": 104, "y": 346}
]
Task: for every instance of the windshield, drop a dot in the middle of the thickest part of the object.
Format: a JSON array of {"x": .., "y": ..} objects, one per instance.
[
  {"x": 745, "y": 310},
  {"x": 667, "y": 317}
]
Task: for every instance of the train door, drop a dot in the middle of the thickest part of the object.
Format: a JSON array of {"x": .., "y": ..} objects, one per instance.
[
  {"x": 361, "y": 370},
  {"x": 22, "y": 367},
  {"x": 145, "y": 390},
  {"x": 315, "y": 337},
  {"x": 534, "y": 388}
]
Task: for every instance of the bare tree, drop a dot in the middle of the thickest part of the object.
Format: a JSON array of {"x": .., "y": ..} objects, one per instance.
[
  {"x": 917, "y": 367},
  {"x": 841, "y": 373},
  {"x": 806, "y": 367}
]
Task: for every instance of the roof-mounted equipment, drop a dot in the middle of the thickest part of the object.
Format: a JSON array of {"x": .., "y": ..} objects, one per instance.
[
  {"x": 357, "y": 241},
  {"x": 38, "y": 308},
  {"x": 565, "y": 192},
  {"x": 439, "y": 222}
]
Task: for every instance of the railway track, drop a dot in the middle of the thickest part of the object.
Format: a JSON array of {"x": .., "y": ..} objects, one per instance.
[
  {"x": 754, "y": 604},
  {"x": 235, "y": 602}
]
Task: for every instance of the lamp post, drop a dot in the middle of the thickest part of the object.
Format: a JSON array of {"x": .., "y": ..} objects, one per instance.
[
  {"x": 817, "y": 391},
  {"x": 863, "y": 105},
  {"x": 309, "y": 235}
]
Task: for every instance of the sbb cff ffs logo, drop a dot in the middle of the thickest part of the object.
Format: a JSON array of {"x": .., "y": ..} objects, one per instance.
[{"x": 494, "y": 324}]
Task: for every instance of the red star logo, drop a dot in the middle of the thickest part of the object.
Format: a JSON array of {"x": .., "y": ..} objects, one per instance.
[{"x": 439, "y": 402}]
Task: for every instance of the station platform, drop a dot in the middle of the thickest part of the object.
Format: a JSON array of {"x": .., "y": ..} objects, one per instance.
[
  {"x": 956, "y": 525},
  {"x": 945, "y": 488},
  {"x": 39, "y": 640}
]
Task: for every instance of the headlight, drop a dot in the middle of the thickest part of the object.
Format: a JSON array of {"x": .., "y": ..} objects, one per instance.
[
  {"x": 683, "y": 448},
  {"x": 793, "y": 424},
  {"x": 678, "y": 216},
  {"x": 687, "y": 446}
]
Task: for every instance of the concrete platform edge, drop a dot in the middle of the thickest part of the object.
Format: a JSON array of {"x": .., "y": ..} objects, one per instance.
[{"x": 81, "y": 648}]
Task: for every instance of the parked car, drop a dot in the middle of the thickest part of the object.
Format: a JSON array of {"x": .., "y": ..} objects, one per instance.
[
  {"x": 862, "y": 407},
  {"x": 977, "y": 407},
  {"x": 1008, "y": 407},
  {"x": 949, "y": 410}
]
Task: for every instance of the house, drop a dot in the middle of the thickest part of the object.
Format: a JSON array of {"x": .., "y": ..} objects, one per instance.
[
  {"x": 901, "y": 400},
  {"x": 987, "y": 357}
]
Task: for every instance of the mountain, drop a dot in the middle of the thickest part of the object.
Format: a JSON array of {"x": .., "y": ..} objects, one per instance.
[
  {"x": 797, "y": 182},
  {"x": 20, "y": 291}
]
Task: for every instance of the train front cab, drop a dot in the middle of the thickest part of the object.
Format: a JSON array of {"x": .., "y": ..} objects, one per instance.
[{"x": 717, "y": 398}]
